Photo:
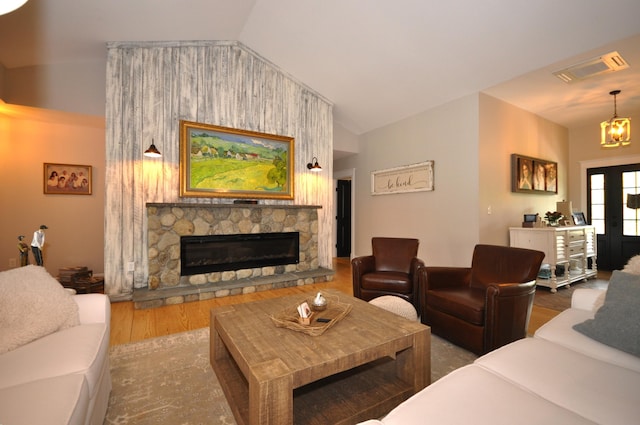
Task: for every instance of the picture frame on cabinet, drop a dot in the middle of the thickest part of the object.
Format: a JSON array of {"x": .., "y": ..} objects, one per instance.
[
  {"x": 533, "y": 175},
  {"x": 579, "y": 219},
  {"x": 225, "y": 162},
  {"x": 67, "y": 179}
]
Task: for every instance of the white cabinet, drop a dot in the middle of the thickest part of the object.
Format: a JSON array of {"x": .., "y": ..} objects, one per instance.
[{"x": 569, "y": 251}]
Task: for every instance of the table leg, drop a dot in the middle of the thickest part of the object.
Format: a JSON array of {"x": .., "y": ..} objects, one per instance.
[
  {"x": 271, "y": 394},
  {"x": 413, "y": 365}
]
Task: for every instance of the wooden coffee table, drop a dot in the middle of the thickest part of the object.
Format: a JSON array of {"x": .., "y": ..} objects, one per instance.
[{"x": 359, "y": 369}]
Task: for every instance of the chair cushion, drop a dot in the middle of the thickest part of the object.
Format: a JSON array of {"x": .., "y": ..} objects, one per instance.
[
  {"x": 58, "y": 400},
  {"x": 503, "y": 264},
  {"x": 464, "y": 303},
  {"x": 385, "y": 280},
  {"x": 79, "y": 350},
  {"x": 394, "y": 254}
]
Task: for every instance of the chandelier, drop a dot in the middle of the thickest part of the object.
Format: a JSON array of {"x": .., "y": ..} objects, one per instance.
[{"x": 616, "y": 131}]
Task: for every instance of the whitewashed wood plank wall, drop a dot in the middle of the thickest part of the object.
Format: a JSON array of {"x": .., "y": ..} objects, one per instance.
[{"x": 151, "y": 86}]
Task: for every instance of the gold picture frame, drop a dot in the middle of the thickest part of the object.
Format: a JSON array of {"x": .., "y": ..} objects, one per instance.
[
  {"x": 67, "y": 179},
  {"x": 230, "y": 163}
]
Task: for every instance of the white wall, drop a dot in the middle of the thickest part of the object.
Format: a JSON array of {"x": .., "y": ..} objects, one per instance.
[
  {"x": 471, "y": 141},
  {"x": 344, "y": 142},
  {"x": 505, "y": 130},
  {"x": 30, "y": 137},
  {"x": 77, "y": 87},
  {"x": 444, "y": 219}
]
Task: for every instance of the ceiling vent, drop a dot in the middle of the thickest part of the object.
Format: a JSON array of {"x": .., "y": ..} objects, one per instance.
[{"x": 611, "y": 62}]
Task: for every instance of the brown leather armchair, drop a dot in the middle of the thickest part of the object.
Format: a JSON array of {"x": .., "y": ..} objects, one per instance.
[
  {"x": 484, "y": 306},
  {"x": 390, "y": 270}
]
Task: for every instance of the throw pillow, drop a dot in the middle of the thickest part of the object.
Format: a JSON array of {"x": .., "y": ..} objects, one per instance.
[
  {"x": 32, "y": 304},
  {"x": 633, "y": 265},
  {"x": 617, "y": 322}
]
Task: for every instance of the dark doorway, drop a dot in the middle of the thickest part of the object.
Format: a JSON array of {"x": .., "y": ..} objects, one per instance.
[
  {"x": 343, "y": 218},
  {"x": 613, "y": 202}
]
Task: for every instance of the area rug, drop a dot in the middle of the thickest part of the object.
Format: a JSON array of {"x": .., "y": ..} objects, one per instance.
[{"x": 168, "y": 380}]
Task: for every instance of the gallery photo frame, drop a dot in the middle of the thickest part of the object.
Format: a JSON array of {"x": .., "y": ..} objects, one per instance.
[
  {"x": 533, "y": 175},
  {"x": 67, "y": 179},
  {"x": 230, "y": 163}
]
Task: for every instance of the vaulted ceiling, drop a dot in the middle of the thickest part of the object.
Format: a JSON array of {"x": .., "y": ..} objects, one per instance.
[{"x": 378, "y": 61}]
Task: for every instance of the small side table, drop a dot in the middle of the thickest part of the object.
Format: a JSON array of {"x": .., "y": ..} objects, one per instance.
[
  {"x": 81, "y": 280},
  {"x": 87, "y": 285}
]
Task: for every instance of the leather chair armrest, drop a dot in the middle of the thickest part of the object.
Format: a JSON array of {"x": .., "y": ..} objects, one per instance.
[
  {"x": 360, "y": 266},
  {"x": 414, "y": 275},
  {"x": 444, "y": 277},
  {"x": 509, "y": 289},
  {"x": 364, "y": 264},
  {"x": 507, "y": 312},
  {"x": 416, "y": 264}
]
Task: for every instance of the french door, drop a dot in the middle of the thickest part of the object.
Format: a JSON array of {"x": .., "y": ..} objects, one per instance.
[{"x": 613, "y": 201}]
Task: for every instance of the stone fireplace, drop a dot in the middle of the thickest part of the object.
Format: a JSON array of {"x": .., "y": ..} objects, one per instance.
[{"x": 169, "y": 223}]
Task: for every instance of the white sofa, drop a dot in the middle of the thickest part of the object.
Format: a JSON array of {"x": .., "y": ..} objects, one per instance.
[
  {"x": 560, "y": 376},
  {"x": 63, "y": 377}
]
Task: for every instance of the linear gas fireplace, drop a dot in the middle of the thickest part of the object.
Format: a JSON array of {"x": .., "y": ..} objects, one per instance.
[{"x": 216, "y": 253}]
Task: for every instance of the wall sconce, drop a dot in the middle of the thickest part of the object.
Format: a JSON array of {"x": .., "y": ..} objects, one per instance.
[
  {"x": 616, "y": 131},
  {"x": 314, "y": 166},
  {"x": 152, "y": 152}
]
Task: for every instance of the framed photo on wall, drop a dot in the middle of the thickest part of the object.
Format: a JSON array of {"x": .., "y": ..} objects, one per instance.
[
  {"x": 533, "y": 175},
  {"x": 67, "y": 179},
  {"x": 225, "y": 162},
  {"x": 407, "y": 178}
]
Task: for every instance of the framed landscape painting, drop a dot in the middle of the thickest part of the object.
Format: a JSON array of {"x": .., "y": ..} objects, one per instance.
[
  {"x": 224, "y": 162},
  {"x": 67, "y": 179}
]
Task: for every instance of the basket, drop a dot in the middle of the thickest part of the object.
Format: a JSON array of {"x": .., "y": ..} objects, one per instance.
[{"x": 288, "y": 318}]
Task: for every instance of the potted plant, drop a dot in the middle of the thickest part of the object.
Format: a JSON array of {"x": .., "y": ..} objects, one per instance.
[{"x": 553, "y": 218}]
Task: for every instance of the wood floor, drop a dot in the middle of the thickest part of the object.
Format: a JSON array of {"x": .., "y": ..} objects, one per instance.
[{"x": 129, "y": 324}]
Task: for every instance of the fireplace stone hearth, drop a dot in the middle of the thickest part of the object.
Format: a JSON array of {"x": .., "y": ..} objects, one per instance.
[{"x": 168, "y": 222}]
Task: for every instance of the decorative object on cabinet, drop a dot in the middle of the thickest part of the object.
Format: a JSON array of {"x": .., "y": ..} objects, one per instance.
[
  {"x": 578, "y": 218},
  {"x": 408, "y": 178},
  {"x": 566, "y": 208},
  {"x": 67, "y": 179},
  {"x": 224, "y": 162},
  {"x": 530, "y": 220},
  {"x": 533, "y": 175},
  {"x": 569, "y": 251},
  {"x": 615, "y": 131},
  {"x": 553, "y": 218}
]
